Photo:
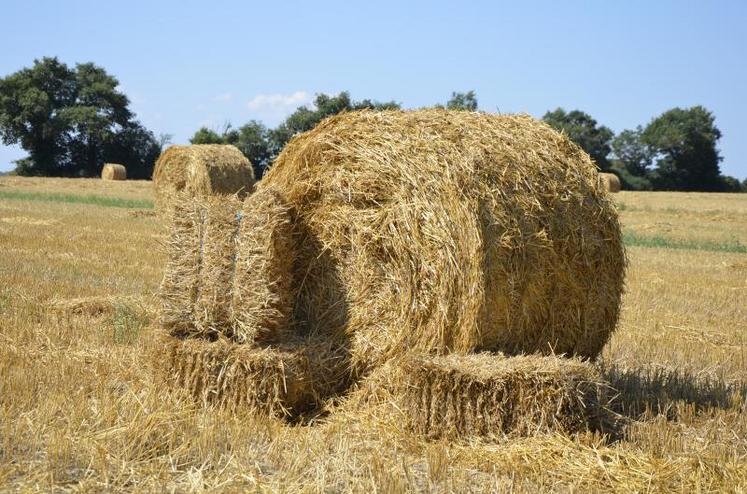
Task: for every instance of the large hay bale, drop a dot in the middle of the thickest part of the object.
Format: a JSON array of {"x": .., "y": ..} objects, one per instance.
[
  {"x": 447, "y": 232},
  {"x": 113, "y": 171},
  {"x": 201, "y": 170},
  {"x": 382, "y": 234},
  {"x": 484, "y": 394},
  {"x": 610, "y": 182}
]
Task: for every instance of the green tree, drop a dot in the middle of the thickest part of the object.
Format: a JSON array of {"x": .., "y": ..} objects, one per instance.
[
  {"x": 253, "y": 139},
  {"x": 70, "y": 120},
  {"x": 730, "y": 184},
  {"x": 629, "y": 149},
  {"x": 462, "y": 101},
  {"x": 582, "y": 129},
  {"x": 684, "y": 142},
  {"x": 207, "y": 136}
]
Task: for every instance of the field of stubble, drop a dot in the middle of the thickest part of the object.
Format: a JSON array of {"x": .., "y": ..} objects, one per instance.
[{"x": 79, "y": 411}]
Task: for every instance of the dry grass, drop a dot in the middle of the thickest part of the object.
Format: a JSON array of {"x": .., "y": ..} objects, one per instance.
[{"x": 79, "y": 412}]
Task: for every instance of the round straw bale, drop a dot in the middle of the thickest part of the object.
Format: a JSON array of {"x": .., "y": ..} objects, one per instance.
[
  {"x": 610, "y": 181},
  {"x": 113, "y": 171},
  {"x": 201, "y": 170},
  {"x": 449, "y": 232}
]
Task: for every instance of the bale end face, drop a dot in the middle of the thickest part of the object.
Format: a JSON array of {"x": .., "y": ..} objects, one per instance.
[
  {"x": 487, "y": 395},
  {"x": 281, "y": 382}
]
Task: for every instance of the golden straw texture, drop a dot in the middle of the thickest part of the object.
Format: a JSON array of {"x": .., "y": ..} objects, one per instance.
[
  {"x": 113, "y": 171},
  {"x": 610, "y": 181},
  {"x": 484, "y": 394},
  {"x": 450, "y": 232},
  {"x": 201, "y": 170}
]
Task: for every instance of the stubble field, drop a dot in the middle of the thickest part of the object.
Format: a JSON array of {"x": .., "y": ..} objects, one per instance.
[{"x": 79, "y": 410}]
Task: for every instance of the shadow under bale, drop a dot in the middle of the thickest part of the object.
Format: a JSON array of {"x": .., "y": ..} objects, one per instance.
[{"x": 657, "y": 390}]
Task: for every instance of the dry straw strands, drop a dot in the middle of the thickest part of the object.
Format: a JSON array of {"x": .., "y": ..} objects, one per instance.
[
  {"x": 262, "y": 291},
  {"x": 201, "y": 170},
  {"x": 610, "y": 181},
  {"x": 229, "y": 268},
  {"x": 92, "y": 306},
  {"x": 280, "y": 381},
  {"x": 380, "y": 234},
  {"x": 484, "y": 395},
  {"x": 449, "y": 232},
  {"x": 113, "y": 171}
]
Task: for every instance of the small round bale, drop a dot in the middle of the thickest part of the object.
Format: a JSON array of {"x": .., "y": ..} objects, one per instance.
[
  {"x": 610, "y": 181},
  {"x": 113, "y": 171},
  {"x": 449, "y": 232},
  {"x": 201, "y": 170}
]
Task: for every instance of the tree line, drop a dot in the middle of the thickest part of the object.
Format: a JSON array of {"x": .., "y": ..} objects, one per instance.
[{"x": 73, "y": 120}]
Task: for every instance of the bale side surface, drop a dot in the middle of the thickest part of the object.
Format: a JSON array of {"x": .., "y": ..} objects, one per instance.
[
  {"x": 610, "y": 181},
  {"x": 180, "y": 283},
  {"x": 221, "y": 223},
  {"x": 485, "y": 395},
  {"x": 444, "y": 232},
  {"x": 263, "y": 298},
  {"x": 280, "y": 382},
  {"x": 202, "y": 170},
  {"x": 113, "y": 171}
]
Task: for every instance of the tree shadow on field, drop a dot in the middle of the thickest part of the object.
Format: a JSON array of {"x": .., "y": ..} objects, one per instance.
[{"x": 658, "y": 391}]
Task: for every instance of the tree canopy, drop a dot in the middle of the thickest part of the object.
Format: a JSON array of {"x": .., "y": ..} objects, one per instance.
[
  {"x": 684, "y": 145},
  {"x": 630, "y": 150},
  {"x": 71, "y": 121},
  {"x": 582, "y": 129},
  {"x": 462, "y": 101}
]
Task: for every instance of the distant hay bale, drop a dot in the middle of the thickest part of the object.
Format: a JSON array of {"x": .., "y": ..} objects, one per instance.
[
  {"x": 461, "y": 396},
  {"x": 610, "y": 182},
  {"x": 201, "y": 170},
  {"x": 113, "y": 171},
  {"x": 280, "y": 382}
]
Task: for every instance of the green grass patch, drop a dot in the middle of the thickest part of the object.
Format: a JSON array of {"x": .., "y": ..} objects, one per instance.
[
  {"x": 127, "y": 323},
  {"x": 660, "y": 242},
  {"x": 107, "y": 202}
]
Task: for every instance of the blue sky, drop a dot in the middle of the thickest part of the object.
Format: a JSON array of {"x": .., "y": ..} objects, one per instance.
[{"x": 187, "y": 64}]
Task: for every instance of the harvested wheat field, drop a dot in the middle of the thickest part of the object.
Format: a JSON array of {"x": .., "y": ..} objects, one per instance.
[{"x": 80, "y": 411}]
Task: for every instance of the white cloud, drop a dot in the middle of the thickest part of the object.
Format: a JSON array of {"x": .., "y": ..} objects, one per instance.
[{"x": 274, "y": 107}]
